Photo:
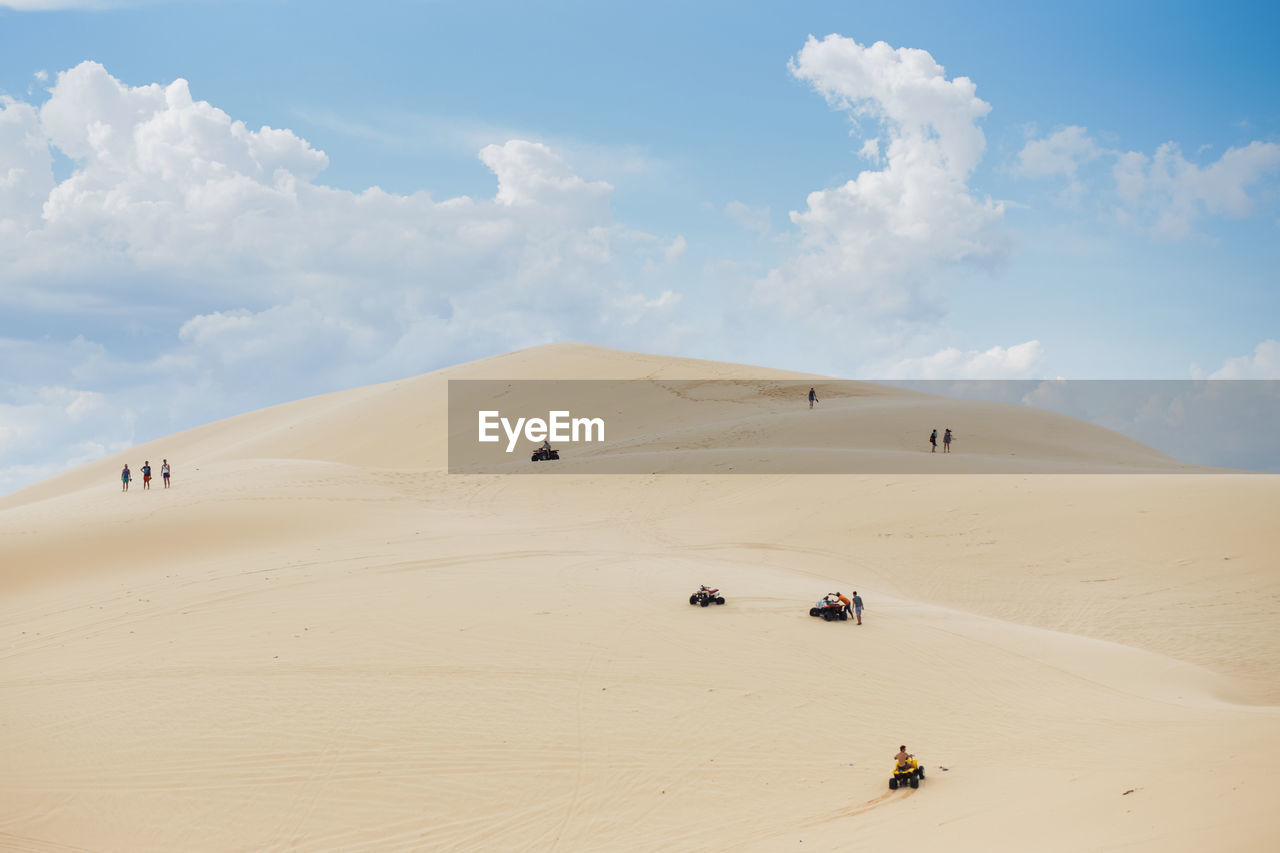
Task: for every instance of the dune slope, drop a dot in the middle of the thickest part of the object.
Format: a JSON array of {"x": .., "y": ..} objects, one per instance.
[{"x": 320, "y": 640}]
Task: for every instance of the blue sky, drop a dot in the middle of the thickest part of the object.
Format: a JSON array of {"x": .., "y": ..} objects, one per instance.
[{"x": 1087, "y": 190}]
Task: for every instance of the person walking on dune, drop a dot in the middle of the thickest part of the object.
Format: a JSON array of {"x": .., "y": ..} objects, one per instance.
[
  {"x": 946, "y": 441},
  {"x": 857, "y": 606},
  {"x": 146, "y": 475},
  {"x": 124, "y": 478},
  {"x": 813, "y": 397},
  {"x": 933, "y": 440},
  {"x": 164, "y": 471}
]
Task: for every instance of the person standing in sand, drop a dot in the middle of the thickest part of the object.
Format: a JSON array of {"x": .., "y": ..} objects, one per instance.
[
  {"x": 946, "y": 441},
  {"x": 857, "y": 606},
  {"x": 124, "y": 478},
  {"x": 813, "y": 397},
  {"x": 164, "y": 471},
  {"x": 933, "y": 440},
  {"x": 146, "y": 474}
]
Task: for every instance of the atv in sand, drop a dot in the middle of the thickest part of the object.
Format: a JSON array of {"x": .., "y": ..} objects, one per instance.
[
  {"x": 706, "y": 596},
  {"x": 829, "y": 608},
  {"x": 544, "y": 455},
  {"x": 910, "y": 776}
]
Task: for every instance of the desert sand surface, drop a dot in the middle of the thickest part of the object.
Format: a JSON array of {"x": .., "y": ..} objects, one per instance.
[{"x": 321, "y": 640}]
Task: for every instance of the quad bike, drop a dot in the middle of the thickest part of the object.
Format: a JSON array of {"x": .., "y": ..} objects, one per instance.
[
  {"x": 706, "y": 597},
  {"x": 910, "y": 776},
  {"x": 544, "y": 455},
  {"x": 829, "y": 608}
]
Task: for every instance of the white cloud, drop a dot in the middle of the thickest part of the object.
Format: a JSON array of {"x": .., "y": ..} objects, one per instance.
[
  {"x": 872, "y": 246},
  {"x": 675, "y": 250},
  {"x": 1060, "y": 153},
  {"x": 26, "y": 166},
  {"x": 1170, "y": 193},
  {"x": 632, "y": 307},
  {"x": 1021, "y": 361},
  {"x": 1164, "y": 194},
  {"x": 906, "y": 90},
  {"x": 529, "y": 173},
  {"x": 1262, "y": 363},
  {"x": 165, "y": 185}
]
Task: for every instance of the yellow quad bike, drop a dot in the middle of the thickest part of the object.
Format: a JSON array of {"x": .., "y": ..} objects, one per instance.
[{"x": 910, "y": 776}]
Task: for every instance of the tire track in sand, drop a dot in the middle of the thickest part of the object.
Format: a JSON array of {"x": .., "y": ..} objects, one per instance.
[{"x": 575, "y": 796}]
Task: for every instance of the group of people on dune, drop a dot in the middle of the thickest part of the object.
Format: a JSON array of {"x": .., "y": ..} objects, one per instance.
[
  {"x": 933, "y": 437},
  {"x": 126, "y": 476}
]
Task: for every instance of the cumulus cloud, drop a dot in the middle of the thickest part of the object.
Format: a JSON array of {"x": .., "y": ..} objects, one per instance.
[
  {"x": 871, "y": 246},
  {"x": 1060, "y": 153},
  {"x": 1020, "y": 361},
  {"x": 1262, "y": 363},
  {"x": 675, "y": 250},
  {"x": 530, "y": 174},
  {"x": 26, "y": 166},
  {"x": 167, "y": 183},
  {"x": 1168, "y": 193},
  {"x": 180, "y": 225},
  {"x": 1164, "y": 194}
]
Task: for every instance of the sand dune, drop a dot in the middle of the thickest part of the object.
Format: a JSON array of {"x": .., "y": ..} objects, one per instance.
[{"x": 320, "y": 640}]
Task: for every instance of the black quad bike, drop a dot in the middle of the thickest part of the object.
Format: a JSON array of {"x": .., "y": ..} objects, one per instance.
[
  {"x": 706, "y": 596},
  {"x": 544, "y": 455},
  {"x": 829, "y": 608}
]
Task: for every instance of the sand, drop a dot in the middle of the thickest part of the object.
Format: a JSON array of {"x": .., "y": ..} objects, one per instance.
[{"x": 319, "y": 639}]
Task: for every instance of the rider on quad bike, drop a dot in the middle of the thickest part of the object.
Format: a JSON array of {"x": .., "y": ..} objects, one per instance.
[
  {"x": 706, "y": 596},
  {"x": 545, "y": 452},
  {"x": 906, "y": 771}
]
